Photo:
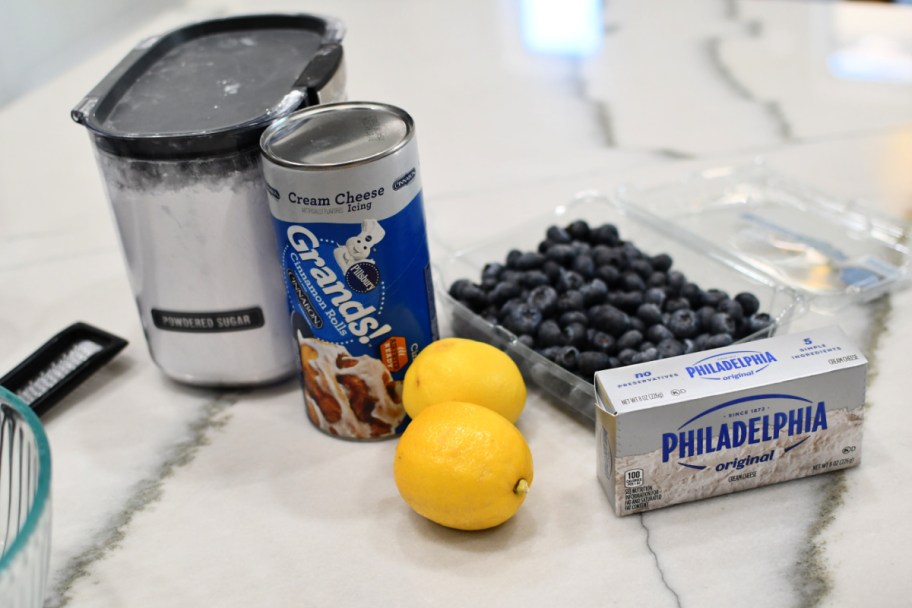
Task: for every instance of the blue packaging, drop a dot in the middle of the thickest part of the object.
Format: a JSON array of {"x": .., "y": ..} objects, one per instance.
[{"x": 352, "y": 241}]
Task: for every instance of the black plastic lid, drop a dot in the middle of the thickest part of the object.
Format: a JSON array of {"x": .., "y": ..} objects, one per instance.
[{"x": 211, "y": 87}]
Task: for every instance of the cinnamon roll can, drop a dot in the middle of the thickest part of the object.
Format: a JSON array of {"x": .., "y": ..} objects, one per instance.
[{"x": 344, "y": 190}]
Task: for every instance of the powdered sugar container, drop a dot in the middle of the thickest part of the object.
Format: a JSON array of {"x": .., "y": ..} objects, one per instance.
[{"x": 175, "y": 128}]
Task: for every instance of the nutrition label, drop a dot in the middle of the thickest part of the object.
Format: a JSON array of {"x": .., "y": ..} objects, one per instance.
[{"x": 640, "y": 497}]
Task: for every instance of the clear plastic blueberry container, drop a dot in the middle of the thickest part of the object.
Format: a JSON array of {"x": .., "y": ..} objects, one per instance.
[
  {"x": 652, "y": 235},
  {"x": 833, "y": 251}
]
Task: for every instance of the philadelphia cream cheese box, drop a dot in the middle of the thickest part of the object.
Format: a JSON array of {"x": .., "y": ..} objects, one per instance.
[{"x": 729, "y": 419}]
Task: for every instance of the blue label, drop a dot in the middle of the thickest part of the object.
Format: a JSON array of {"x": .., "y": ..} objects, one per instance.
[
  {"x": 691, "y": 439},
  {"x": 358, "y": 285},
  {"x": 731, "y": 365}
]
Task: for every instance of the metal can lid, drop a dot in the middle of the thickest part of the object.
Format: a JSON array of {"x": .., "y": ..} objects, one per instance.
[{"x": 337, "y": 135}]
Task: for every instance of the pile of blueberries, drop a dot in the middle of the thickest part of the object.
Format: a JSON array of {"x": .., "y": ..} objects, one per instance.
[{"x": 588, "y": 300}]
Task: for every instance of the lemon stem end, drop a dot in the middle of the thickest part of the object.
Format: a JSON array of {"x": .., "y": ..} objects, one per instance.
[{"x": 521, "y": 487}]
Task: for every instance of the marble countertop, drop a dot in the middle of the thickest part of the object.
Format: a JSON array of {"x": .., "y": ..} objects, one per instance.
[{"x": 166, "y": 495}]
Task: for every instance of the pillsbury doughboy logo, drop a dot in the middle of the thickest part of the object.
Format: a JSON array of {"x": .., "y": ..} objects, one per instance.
[
  {"x": 731, "y": 365},
  {"x": 361, "y": 273}
]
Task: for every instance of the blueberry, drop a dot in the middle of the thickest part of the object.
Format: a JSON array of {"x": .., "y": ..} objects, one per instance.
[
  {"x": 637, "y": 324},
  {"x": 589, "y": 362},
  {"x": 550, "y": 334},
  {"x": 503, "y": 292},
  {"x": 575, "y": 334},
  {"x": 758, "y": 322},
  {"x": 609, "y": 319},
  {"x": 625, "y": 357},
  {"x": 529, "y": 260},
  {"x": 658, "y": 333},
  {"x": 526, "y": 340},
  {"x": 733, "y": 308},
  {"x": 556, "y": 234},
  {"x": 673, "y": 305},
  {"x": 570, "y": 300},
  {"x": 719, "y": 340},
  {"x": 631, "y": 281},
  {"x": 630, "y": 339},
  {"x": 579, "y": 230},
  {"x": 749, "y": 303},
  {"x": 699, "y": 343},
  {"x": 642, "y": 267},
  {"x": 693, "y": 294},
  {"x": 573, "y": 316},
  {"x": 473, "y": 296},
  {"x": 654, "y": 295},
  {"x": 603, "y": 254},
  {"x": 457, "y": 287},
  {"x": 626, "y": 300},
  {"x": 650, "y": 354},
  {"x": 489, "y": 283},
  {"x": 521, "y": 318},
  {"x": 721, "y": 323},
  {"x": 705, "y": 313},
  {"x": 549, "y": 352},
  {"x": 584, "y": 265},
  {"x": 544, "y": 298},
  {"x": 569, "y": 280},
  {"x": 630, "y": 252},
  {"x": 656, "y": 279},
  {"x": 533, "y": 278},
  {"x": 510, "y": 275},
  {"x": 713, "y": 297},
  {"x": 594, "y": 292},
  {"x": 492, "y": 270},
  {"x": 609, "y": 274},
  {"x": 676, "y": 280},
  {"x": 512, "y": 256},
  {"x": 670, "y": 348},
  {"x": 561, "y": 253},
  {"x": 581, "y": 248},
  {"x": 684, "y": 323},
  {"x": 566, "y": 357},
  {"x": 650, "y": 313},
  {"x": 661, "y": 262},
  {"x": 553, "y": 270},
  {"x": 606, "y": 234},
  {"x": 506, "y": 309},
  {"x": 602, "y": 342}
]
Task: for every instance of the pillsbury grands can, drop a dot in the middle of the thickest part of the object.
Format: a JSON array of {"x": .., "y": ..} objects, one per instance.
[{"x": 344, "y": 190}]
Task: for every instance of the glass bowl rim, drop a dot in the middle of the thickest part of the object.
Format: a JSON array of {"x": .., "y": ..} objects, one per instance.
[{"x": 43, "y": 489}]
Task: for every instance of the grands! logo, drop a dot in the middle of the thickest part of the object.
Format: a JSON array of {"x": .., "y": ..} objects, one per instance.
[{"x": 731, "y": 365}]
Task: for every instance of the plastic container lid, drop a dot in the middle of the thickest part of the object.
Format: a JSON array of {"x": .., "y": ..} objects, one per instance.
[
  {"x": 212, "y": 87},
  {"x": 833, "y": 252}
]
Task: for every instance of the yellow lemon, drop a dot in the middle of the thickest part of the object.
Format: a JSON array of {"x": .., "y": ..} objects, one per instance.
[
  {"x": 463, "y": 466},
  {"x": 458, "y": 369}
]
